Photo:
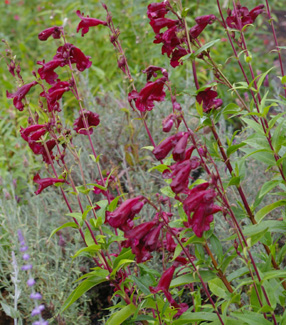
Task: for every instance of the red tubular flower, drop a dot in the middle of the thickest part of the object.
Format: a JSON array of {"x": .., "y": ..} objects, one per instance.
[
  {"x": 201, "y": 202},
  {"x": 75, "y": 55},
  {"x": 242, "y": 17},
  {"x": 55, "y": 93},
  {"x": 153, "y": 91},
  {"x": 82, "y": 62},
  {"x": 92, "y": 119},
  {"x": 177, "y": 55},
  {"x": 157, "y": 10},
  {"x": 87, "y": 22},
  {"x": 52, "y": 31},
  {"x": 207, "y": 19},
  {"x": 126, "y": 211},
  {"x": 168, "y": 123},
  {"x": 47, "y": 71},
  {"x": 163, "y": 148},
  {"x": 180, "y": 148},
  {"x": 20, "y": 94},
  {"x": 151, "y": 72},
  {"x": 159, "y": 23},
  {"x": 209, "y": 100},
  {"x": 165, "y": 281},
  {"x": 45, "y": 182},
  {"x": 33, "y": 132},
  {"x": 181, "y": 177}
]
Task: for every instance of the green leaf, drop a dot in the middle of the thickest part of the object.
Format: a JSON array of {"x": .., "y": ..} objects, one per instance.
[
  {"x": 262, "y": 213},
  {"x": 199, "y": 108},
  {"x": 231, "y": 109},
  {"x": 150, "y": 148},
  {"x": 90, "y": 249},
  {"x": 218, "y": 288},
  {"x": 234, "y": 181},
  {"x": 251, "y": 318},
  {"x": 167, "y": 191},
  {"x": 67, "y": 224},
  {"x": 267, "y": 187},
  {"x": 252, "y": 124},
  {"x": 191, "y": 278},
  {"x": 188, "y": 318},
  {"x": 80, "y": 290},
  {"x": 142, "y": 284},
  {"x": 126, "y": 254},
  {"x": 160, "y": 168},
  {"x": 205, "y": 47},
  {"x": 119, "y": 265},
  {"x": 234, "y": 148},
  {"x": 120, "y": 316}
]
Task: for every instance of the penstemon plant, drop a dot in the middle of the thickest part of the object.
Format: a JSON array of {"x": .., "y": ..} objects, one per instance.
[{"x": 201, "y": 274}]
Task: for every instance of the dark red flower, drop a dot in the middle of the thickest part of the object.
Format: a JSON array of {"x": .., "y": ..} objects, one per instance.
[
  {"x": 157, "y": 10},
  {"x": 181, "y": 176},
  {"x": 241, "y": 17},
  {"x": 45, "y": 182},
  {"x": 69, "y": 52},
  {"x": 163, "y": 148},
  {"x": 33, "y": 132},
  {"x": 153, "y": 91},
  {"x": 177, "y": 55},
  {"x": 159, "y": 23},
  {"x": 200, "y": 201},
  {"x": 52, "y": 31},
  {"x": 202, "y": 23},
  {"x": 87, "y": 22},
  {"x": 180, "y": 148},
  {"x": 82, "y": 61},
  {"x": 20, "y": 94},
  {"x": 92, "y": 119},
  {"x": 208, "y": 98},
  {"x": 127, "y": 211},
  {"x": 165, "y": 281},
  {"x": 55, "y": 93},
  {"x": 50, "y": 146},
  {"x": 168, "y": 123},
  {"x": 151, "y": 71},
  {"x": 47, "y": 71}
]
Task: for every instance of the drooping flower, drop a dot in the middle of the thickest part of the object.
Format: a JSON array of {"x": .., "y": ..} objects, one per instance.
[
  {"x": 125, "y": 212},
  {"x": 180, "y": 177},
  {"x": 47, "y": 72},
  {"x": 20, "y": 94},
  {"x": 202, "y": 23},
  {"x": 159, "y": 23},
  {"x": 200, "y": 201},
  {"x": 92, "y": 119},
  {"x": 153, "y": 91},
  {"x": 165, "y": 281},
  {"x": 208, "y": 99},
  {"x": 54, "y": 94},
  {"x": 45, "y": 182},
  {"x": 55, "y": 31},
  {"x": 157, "y": 10},
  {"x": 241, "y": 17},
  {"x": 180, "y": 148},
  {"x": 177, "y": 54},
  {"x": 33, "y": 132},
  {"x": 162, "y": 150},
  {"x": 87, "y": 22},
  {"x": 69, "y": 52},
  {"x": 151, "y": 71}
]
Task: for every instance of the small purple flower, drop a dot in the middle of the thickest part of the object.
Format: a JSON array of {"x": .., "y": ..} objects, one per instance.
[
  {"x": 26, "y": 267},
  {"x": 24, "y": 249},
  {"x": 36, "y": 296},
  {"x": 37, "y": 310},
  {"x": 26, "y": 257},
  {"x": 31, "y": 282}
]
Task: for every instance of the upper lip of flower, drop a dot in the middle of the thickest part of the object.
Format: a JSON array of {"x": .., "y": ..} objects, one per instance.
[{"x": 87, "y": 22}]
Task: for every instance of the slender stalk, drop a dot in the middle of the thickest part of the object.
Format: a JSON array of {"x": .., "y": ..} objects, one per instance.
[{"x": 276, "y": 43}]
